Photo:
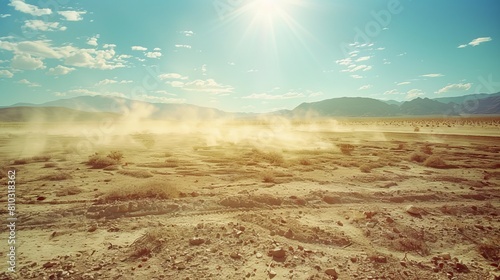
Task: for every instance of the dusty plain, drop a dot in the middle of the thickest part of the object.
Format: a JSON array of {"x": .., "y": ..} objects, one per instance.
[{"x": 256, "y": 199}]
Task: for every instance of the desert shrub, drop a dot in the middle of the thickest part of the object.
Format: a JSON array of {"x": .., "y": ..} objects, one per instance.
[
  {"x": 406, "y": 244},
  {"x": 305, "y": 161},
  {"x": 98, "y": 161},
  {"x": 268, "y": 177},
  {"x": 346, "y": 149},
  {"x": 41, "y": 158},
  {"x": 418, "y": 157},
  {"x": 50, "y": 165},
  {"x": 365, "y": 168},
  {"x": 69, "y": 191},
  {"x": 152, "y": 241},
  {"x": 426, "y": 149},
  {"x": 490, "y": 252},
  {"x": 435, "y": 162},
  {"x": 60, "y": 176},
  {"x": 22, "y": 161},
  {"x": 272, "y": 157},
  {"x": 116, "y": 155},
  {"x": 416, "y": 129},
  {"x": 136, "y": 173},
  {"x": 152, "y": 189}
]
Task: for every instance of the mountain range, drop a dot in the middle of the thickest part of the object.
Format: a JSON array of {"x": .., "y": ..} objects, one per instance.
[{"x": 84, "y": 108}]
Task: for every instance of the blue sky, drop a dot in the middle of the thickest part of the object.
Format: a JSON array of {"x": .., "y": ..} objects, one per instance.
[{"x": 247, "y": 55}]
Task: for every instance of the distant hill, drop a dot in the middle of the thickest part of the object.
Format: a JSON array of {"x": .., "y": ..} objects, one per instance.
[
  {"x": 335, "y": 107},
  {"x": 49, "y": 114},
  {"x": 347, "y": 106},
  {"x": 425, "y": 106},
  {"x": 100, "y": 103},
  {"x": 464, "y": 98}
]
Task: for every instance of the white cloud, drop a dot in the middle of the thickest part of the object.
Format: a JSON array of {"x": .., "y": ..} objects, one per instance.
[
  {"x": 177, "y": 84},
  {"x": 106, "y": 82},
  {"x": 33, "y": 10},
  {"x": 363, "y": 58},
  {"x": 139, "y": 48},
  {"x": 204, "y": 69},
  {"x": 4, "y": 15},
  {"x": 187, "y": 33},
  {"x": 172, "y": 76},
  {"x": 392, "y": 91},
  {"x": 414, "y": 93},
  {"x": 126, "y": 81},
  {"x": 354, "y": 68},
  {"x": 153, "y": 54},
  {"x": 476, "y": 42},
  {"x": 267, "y": 96},
  {"x": 72, "y": 56},
  {"x": 432, "y": 75},
  {"x": 28, "y": 83},
  {"x": 6, "y": 74},
  {"x": 315, "y": 94},
  {"x": 356, "y": 76},
  {"x": 93, "y": 40},
  {"x": 72, "y": 15},
  {"x": 109, "y": 46},
  {"x": 156, "y": 49},
  {"x": 345, "y": 61},
  {"x": 41, "y": 25},
  {"x": 26, "y": 62},
  {"x": 183, "y": 46},
  {"x": 365, "y": 87},
  {"x": 60, "y": 70},
  {"x": 161, "y": 99},
  {"x": 403, "y": 83},
  {"x": 208, "y": 85},
  {"x": 455, "y": 87}
]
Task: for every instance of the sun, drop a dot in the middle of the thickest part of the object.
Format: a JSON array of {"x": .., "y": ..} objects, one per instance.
[{"x": 267, "y": 7}]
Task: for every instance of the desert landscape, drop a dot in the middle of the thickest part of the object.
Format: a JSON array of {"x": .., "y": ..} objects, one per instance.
[{"x": 263, "y": 198}]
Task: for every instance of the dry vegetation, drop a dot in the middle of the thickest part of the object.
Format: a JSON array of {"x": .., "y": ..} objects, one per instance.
[{"x": 348, "y": 199}]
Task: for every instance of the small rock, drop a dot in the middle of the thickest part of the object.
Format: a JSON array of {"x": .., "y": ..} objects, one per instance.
[
  {"x": 278, "y": 253},
  {"x": 235, "y": 256},
  {"x": 272, "y": 274},
  {"x": 332, "y": 273},
  {"x": 258, "y": 255},
  {"x": 445, "y": 256},
  {"x": 49, "y": 264},
  {"x": 461, "y": 268},
  {"x": 196, "y": 241},
  {"x": 415, "y": 211}
]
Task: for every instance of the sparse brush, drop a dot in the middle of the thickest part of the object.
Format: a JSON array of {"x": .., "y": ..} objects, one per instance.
[
  {"x": 418, "y": 157},
  {"x": 153, "y": 189},
  {"x": 69, "y": 191},
  {"x": 116, "y": 155},
  {"x": 50, "y": 165},
  {"x": 489, "y": 251},
  {"x": 41, "y": 158},
  {"x": 365, "y": 168},
  {"x": 435, "y": 162},
  {"x": 136, "y": 173},
  {"x": 60, "y": 176},
  {"x": 268, "y": 177},
  {"x": 150, "y": 242},
  {"x": 22, "y": 161},
  {"x": 98, "y": 161},
  {"x": 416, "y": 129},
  {"x": 426, "y": 149},
  {"x": 346, "y": 149},
  {"x": 305, "y": 161}
]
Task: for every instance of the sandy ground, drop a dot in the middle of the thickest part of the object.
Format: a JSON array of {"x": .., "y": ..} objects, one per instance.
[{"x": 258, "y": 200}]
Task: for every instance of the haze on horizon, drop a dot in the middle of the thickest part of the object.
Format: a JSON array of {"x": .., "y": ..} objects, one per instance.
[{"x": 247, "y": 56}]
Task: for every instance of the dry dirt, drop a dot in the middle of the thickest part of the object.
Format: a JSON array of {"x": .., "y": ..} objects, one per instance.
[{"x": 351, "y": 199}]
